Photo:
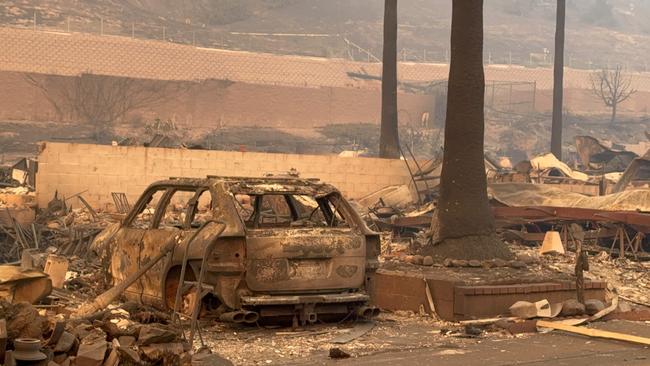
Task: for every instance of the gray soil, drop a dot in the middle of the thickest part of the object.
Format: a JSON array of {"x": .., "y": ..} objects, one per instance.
[{"x": 480, "y": 247}]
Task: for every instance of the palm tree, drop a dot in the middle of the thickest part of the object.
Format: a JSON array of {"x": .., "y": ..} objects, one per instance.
[
  {"x": 464, "y": 220},
  {"x": 558, "y": 80}
]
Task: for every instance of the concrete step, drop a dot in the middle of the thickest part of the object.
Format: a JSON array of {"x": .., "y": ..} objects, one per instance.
[{"x": 457, "y": 300}]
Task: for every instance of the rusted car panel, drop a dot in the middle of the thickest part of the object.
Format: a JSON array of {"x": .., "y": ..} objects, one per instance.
[
  {"x": 289, "y": 246},
  {"x": 125, "y": 259},
  {"x": 305, "y": 259}
]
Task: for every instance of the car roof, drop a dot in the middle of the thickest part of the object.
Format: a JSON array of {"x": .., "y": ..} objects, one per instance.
[{"x": 255, "y": 185}]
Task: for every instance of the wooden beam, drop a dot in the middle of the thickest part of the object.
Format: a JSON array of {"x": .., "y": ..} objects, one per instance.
[{"x": 594, "y": 332}]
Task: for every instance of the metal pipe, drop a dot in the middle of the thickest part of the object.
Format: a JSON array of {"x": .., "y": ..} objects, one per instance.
[
  {"x": 197, "y": 304},
  {"x": 179, "y": 290},
  {"x": 107, "y": 297},
  {"x": 367, "y": 311},
  {"x": 251, "y": 317},
  {"x": 233, "y": 317}
]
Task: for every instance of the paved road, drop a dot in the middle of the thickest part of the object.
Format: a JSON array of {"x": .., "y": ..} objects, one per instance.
[{"x": 555, "y": 348}]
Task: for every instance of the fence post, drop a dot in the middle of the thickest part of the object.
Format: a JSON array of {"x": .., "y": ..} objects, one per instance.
[
  {"x": 194, "y": 38},
  {"x": 510, "y": 108},
  {"x": 68, "y": 24},
  {"x": 163, "y": 38},
  {"x": 132, "y": 30},
  {"x": 101, "y": 26},
  {"x": 34, "y": 19},
  {"x": 534, "y": 93},
  {"x": 492, "y": 102}
]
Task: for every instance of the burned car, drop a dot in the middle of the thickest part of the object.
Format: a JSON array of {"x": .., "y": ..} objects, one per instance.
[{"x": 270, "y": 247}]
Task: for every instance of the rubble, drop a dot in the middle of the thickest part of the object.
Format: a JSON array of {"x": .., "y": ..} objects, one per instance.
[
  {"x": 572, "y": 308},
  {"x": 593, "y": 306},
  {"x": 77, "y": 324},
  {"x": 23, "y": 284},
  {"x": 338, "y": 353}
]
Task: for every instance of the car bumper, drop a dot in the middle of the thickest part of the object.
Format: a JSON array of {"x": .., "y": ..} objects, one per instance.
[{"x": 304, "y": 299}]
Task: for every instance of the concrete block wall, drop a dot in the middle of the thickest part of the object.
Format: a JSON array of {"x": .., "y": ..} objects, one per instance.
[{"x": 101, "y": 169}]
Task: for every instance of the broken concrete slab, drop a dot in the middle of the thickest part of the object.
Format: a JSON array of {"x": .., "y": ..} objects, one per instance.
[
  {"x": 209, "y": 359},
  {"x": 113, "y": 358},
  {"x": 56, "y": 267},
  {"x": 162, "y": 352},
  {"x": 126, "y": 341},
  {"x": 156, "y": 333},
  {"x": 91, "y": 354},
  {"x": 29, "y": 285},
  {"x": 65, "y": 342},
  {"x": 539, "y": 309},
  {"x": 129, "y": 355},
  {"x": 593, "y": 306},
  {"x": 572, "y": 307}
]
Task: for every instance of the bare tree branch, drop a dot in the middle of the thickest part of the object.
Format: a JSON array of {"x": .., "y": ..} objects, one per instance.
[
  {"x": 102, "y": 100},
  {"x": 612, "y": 88}
]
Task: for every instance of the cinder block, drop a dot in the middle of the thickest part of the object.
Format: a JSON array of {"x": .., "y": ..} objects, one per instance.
[
  {"x": 382, "y": 180},
  {"x": 56, "y": 267}
]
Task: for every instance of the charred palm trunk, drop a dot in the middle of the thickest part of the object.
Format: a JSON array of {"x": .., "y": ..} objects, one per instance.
[
  {"x": 558, "y": 81},
  {"x": 466, "y": 226},
  {"x": 389, "y": 137}
]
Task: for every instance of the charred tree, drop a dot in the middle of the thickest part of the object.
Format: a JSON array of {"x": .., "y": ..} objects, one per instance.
[
  {"x": 612, "y": 87},
  {"x": 558, "y": 80},
  {"x": 465, "y": 226},
  {"x": 101, "y": 100},
  {"x": 389, "y": 136}
]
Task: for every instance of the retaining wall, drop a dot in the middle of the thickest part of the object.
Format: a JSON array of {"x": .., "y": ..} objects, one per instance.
[{"x": 98, "y": 170}]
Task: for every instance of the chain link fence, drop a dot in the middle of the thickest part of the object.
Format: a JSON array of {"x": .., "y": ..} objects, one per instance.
[
  {"x": 310, "y": 44},
  {"x": 513, "y": 83}
]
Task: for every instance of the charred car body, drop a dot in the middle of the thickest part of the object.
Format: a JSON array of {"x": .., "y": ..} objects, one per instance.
[{"x": 272, "y": 247}]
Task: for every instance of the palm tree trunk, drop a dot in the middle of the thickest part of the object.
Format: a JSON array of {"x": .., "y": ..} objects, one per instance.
[
  {"x": 389, "y": 137},
  {"x": 466, "y": 226},
  {"x": 558, "y": 80}
]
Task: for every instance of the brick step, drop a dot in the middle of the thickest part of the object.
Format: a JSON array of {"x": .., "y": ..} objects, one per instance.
[{"x": 455, "y": 300}]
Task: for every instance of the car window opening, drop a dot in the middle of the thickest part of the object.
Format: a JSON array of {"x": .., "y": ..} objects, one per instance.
[{"x": 289, "y": 211}]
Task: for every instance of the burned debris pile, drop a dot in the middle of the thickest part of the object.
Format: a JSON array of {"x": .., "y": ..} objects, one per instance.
[
  {"x": 129, "y": 334},
  {"x": 302, "y": 272},
  {"x": 51, "y": 272},
  {"x": 582, "y": 230}
]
